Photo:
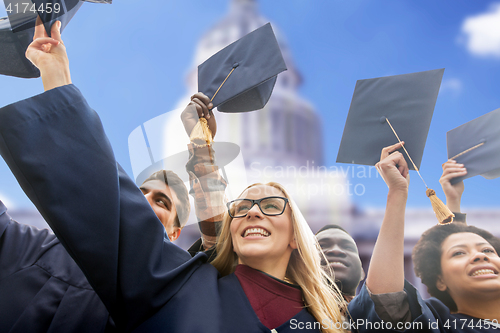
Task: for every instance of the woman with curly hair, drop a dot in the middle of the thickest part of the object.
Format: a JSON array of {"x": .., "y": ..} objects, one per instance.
[
  {"x": 441, "y": 249},
  {"x": 458, "y": 263}
]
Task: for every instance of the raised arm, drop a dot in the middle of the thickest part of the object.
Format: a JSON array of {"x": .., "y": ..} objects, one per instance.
[
  {"x": 386, "y": 271},
  {"x": 207, "y": 185},
  {"x": 20, "y": 245},
  {"x": 453, "y": 193}
]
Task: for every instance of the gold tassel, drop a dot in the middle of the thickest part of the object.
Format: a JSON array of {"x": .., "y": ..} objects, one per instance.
[
  {"x": 201, "y": 135},
  {"x": 443, "y": 213},
  {"x": 207, "y": 133}
]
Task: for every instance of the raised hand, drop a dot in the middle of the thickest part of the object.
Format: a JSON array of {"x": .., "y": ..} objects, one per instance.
[
  {"x": 49, "y": 56},
  {"x": 199, "y": 107},
  {"x": 452, "y": 169},
  {"x": 393, "y": 168}
]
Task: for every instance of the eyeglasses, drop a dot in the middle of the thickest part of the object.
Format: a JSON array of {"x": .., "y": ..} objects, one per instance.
[{"x": 268, "y": 206}]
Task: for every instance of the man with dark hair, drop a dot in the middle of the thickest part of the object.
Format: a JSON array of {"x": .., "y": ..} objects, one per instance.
[
  {"x": 166, "y": 192},
  {"x": 342, "y": 258}
]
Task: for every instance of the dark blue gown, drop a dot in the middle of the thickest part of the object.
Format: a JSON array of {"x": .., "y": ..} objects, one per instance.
[
  {"x": 55, "y": 145},
  {"x": 41, "y": 287}
]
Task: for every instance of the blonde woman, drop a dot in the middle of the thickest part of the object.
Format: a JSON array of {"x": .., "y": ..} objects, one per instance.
[
  {"x": 55, "y": 145},
  {"x": 265, "y": 231}
]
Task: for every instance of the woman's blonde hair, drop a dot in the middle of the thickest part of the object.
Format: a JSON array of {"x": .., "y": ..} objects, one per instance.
[{"x": 321, "y": 295}]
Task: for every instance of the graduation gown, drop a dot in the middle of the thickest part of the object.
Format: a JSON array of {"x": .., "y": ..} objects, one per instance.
[
  {"x": 41, "y": 287},
  {"x": 55, "y": 145},
  {"x": 429, "y": 315}
]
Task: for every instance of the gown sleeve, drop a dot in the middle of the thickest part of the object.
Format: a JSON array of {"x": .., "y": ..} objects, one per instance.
[
  {"x": 55, "y": 145},
  {"x": 20, "y": 245},
  {"x": 426, "y": 316}
]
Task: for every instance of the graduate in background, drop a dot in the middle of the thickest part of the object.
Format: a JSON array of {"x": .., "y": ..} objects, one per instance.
[
  {"x": 147, "y": 283},
  {"x": 462, "y": 260},
  {"x": 341, "y": 259}
]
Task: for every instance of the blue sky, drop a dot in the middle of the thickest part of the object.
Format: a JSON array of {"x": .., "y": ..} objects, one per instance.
[{"x": 130, "y": 60}]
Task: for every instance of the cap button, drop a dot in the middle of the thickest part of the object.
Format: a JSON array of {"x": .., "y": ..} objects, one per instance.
[{"x": 235, "y": 65}]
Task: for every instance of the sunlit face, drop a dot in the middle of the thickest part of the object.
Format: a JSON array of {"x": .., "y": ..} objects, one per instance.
[
  {"x": 342, "y": 257},
  {"x": 262, "y": 237},
  {"x": 163, "y": 202},
  {"x": 470, "y": 267}
]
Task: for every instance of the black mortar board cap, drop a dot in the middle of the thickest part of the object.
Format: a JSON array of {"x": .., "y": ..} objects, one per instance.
[
  {"x": 16, "y": 34},
  {"x": 13, "y": 61},
  {"x": 66, "y": 10},
  {"x": 22, "y": 13},
  {"x": 17, "y": 30},
  {"x": 407, "y": 101},
  {"x": 64, "y": 14},
  {"x": 478, "y": 144},
  {"x": 256, "y": 59}
]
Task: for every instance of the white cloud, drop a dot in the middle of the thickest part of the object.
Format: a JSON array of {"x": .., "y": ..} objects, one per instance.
[
  {"x": 453, "y": 86},
  {"x": 482, "y": 32}
]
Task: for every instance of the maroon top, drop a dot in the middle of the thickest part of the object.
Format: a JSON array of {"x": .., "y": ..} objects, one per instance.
[{"x": 274, "y": 301}]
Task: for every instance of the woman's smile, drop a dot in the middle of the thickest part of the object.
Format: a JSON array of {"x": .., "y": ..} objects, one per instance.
[{"x": 255, "y": 232}]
